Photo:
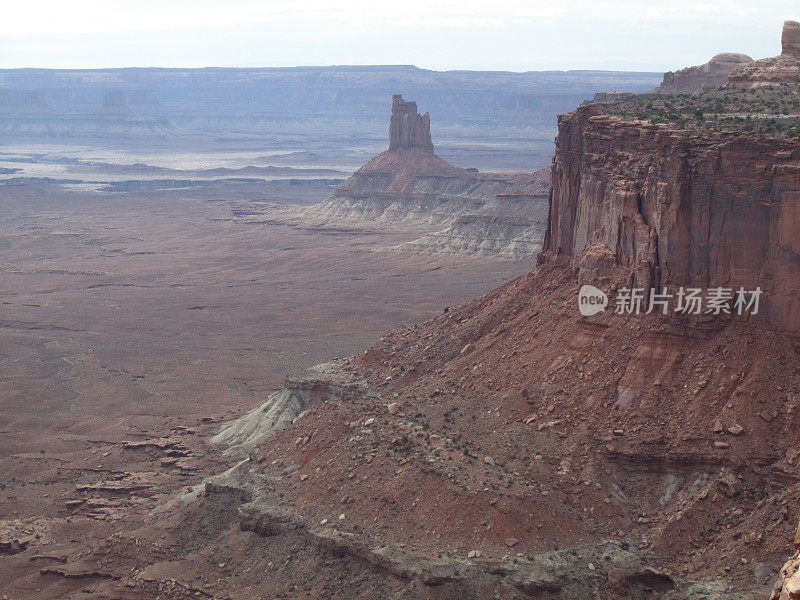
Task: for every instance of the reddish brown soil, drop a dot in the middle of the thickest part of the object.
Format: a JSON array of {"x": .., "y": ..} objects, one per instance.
[
  {"x": 599, "y": 428},
  {"x": 132, "y": 324},
  {"x": 514, "y": 418}
]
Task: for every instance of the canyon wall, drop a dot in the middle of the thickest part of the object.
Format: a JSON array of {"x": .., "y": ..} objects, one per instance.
[
  {"x": 680, "y": 207},
  {"x": 319, "y": 109}
]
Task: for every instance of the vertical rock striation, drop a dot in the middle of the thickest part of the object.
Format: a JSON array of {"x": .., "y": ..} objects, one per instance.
[
  {"x": 409, "y": 130},
  {"x": 679, "y": 207}
]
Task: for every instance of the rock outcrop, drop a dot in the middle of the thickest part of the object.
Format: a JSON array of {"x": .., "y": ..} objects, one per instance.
[
  {"x": 409, "y": 130},
  {"x": 681, "y": 208},
  {"x": 776, "y": 71},
  {"x": 787, "y": 587},
  {"x": 790, "y": 39},
  {"x": 318, "y": 384},
  {"x": 455, "y": 210},
  {"x": 711, "y": 75}
]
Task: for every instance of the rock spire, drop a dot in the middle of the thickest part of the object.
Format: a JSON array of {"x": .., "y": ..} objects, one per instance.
[{"x": 409, "y": 130}]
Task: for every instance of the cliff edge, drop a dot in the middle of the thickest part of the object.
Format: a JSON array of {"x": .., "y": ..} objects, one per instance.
[
  {"x": 694, "y": 191},
  {"x": 680, "y": 208}
]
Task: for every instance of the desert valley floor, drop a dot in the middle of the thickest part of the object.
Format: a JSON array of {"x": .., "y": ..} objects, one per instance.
[{"x": 129, "y": 317}]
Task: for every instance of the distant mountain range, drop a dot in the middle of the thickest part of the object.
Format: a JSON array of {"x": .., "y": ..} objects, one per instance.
[{"x": 344, "y": 106}]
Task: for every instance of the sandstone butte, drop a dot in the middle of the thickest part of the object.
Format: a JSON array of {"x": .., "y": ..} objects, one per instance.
[
  {"x": 454, "y": 210},
  {"x": 776, "y": 71},
  {"x": 408, "y": 130}
]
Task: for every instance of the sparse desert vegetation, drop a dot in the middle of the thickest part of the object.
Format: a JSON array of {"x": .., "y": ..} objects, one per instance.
[{"x": 773, "y": 111}]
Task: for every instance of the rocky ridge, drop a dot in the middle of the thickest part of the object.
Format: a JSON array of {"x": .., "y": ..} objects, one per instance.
[{"x": 710, "y": 75}]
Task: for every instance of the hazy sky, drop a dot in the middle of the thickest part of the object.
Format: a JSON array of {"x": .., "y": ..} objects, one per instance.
[{"x": 468, "y": 34}]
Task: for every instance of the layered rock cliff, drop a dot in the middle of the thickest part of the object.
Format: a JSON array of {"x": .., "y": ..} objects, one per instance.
[
  {"x": 790, "y": 39},
  {"x": 456, "y": 210},
  {"x": 681, "y": 208}
]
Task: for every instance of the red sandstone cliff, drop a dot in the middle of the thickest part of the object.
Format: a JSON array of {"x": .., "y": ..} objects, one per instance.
[{"x": 681, "y": 207}]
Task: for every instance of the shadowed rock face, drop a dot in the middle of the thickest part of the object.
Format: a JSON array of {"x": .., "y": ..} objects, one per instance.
[
  {"x": 790, "y": 39},
  {"x": 681, "y": 208},
  {"x": 408, "y": 129}
]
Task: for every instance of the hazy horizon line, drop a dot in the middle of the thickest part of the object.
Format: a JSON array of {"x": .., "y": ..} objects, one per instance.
[{"x": 563, "y": 69}]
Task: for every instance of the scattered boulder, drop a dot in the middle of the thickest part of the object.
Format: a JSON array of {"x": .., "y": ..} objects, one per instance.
[
  {"x": 736, "y": 429},
  {"x": 787, "y": 587},
  {"x": 730, "y": 485},
  {"x": 616, "y": 576}
]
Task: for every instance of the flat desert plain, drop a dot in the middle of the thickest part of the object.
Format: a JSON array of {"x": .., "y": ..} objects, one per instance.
[{"x": 141, "y": 320}]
